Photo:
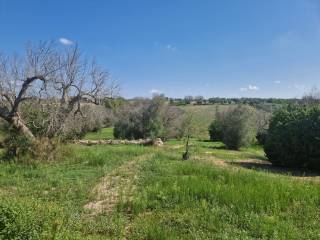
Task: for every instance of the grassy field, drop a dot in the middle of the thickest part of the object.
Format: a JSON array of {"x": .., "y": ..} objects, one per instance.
[
  {"x": 104, "y": 133},
  {"x": 204, "y": 115},
  {"x": 136, "y": 192}
]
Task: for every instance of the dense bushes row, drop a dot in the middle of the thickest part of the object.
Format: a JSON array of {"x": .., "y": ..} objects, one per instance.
[{"x": 293, "y": 137}]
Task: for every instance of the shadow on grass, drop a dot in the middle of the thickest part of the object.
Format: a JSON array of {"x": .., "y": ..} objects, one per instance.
[
  {"x": 267, "y": 166},
  {"x": 220, "y": 147}
]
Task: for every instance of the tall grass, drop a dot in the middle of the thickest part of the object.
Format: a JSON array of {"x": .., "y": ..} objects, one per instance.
[
  {"x": 190, "y": 200},
  {"x": 174, "y": 199}
]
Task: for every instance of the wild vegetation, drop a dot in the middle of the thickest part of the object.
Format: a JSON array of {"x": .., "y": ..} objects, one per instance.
[
  {"x": 249, "y": 169},
  {"x": 293, "y": 137}
]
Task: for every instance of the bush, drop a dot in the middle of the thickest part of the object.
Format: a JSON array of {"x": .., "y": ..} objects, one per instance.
[
  {"x": 293, "y": 138},
  {"x": 147, "y": 119},
  {"x": 16, "y": 147},
  {"x": 215, "y": 131},
  {"x": 20, "y": 149},
  {"x": 262, "y": 137},
  {"x": 27, "y": 220},
  {"x": 263, "y": 119},
  {"x": 236, "y": 127},
  {"x": 129, "y": 126}
]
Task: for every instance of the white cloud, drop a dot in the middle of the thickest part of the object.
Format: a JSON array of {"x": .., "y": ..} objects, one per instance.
[
  {"x": 155, "y": 92},
  {"x": 253, "y": 88},
  {"x": 277, "y": 82},
  {"x": 65, "y": 41},
  {"x": 170, "y": 47},
  {"x": 249, "y": 88}
]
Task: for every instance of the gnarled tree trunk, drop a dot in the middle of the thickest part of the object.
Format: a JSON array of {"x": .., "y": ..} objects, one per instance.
[{"x": 19, "y": 125}]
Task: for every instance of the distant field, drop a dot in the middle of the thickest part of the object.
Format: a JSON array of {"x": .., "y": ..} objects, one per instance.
[
  {"x": 104, "y": 133},
  {"x": 204, "y": 115}
]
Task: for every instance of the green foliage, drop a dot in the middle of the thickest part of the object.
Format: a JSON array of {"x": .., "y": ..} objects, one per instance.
[
  {"x": 27, "y": 220},
  {"x": 114, "y": 103},
  {"x": 188, "y": 130},
  {"x": 129, "y": 126},
  {"x": 236, "y": 127},
  {"x": 17, "y": 147},
  {"x": 216, "y": 131},
  {"x": 36, "y": 117},
  {"x": 294, "y": 137},
  {"x": 150, "y": 119},
  {"x": 262, "y": 137}
]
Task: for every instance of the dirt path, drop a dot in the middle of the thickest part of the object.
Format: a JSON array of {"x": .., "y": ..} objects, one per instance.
[{"x": 115, "y": 186}]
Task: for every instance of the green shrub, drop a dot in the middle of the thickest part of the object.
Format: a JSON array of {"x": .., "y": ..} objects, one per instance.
[
  {"x": 216, "y": 131},
  {"x": 262, "y": 137},
  {"x": 239, "y": 127},
  {"x": 129, "y": 126},
  {"x": 236, "y": 127},
  {"x": 27, "y": 220},
  {"x": 294, "y": 137},
  {"x": 147, "y": 119},
  {"x": 16, "y": 146}
]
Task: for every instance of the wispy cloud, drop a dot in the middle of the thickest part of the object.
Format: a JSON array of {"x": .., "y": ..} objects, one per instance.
[
  {"x": 65, "y": 41},
  {"x": 277, "y": 82},
  {"x": 169, "y": 46},
  {"x": 155, "y": 91},
  {"x": 249, "y": 88}
]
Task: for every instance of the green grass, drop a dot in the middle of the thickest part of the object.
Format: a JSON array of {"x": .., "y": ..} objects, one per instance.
[
  {"x": 63, "y": 185},
  {"x": 174, "y": 199},
  {"x": 189, "y": 200},
  {"x": 204, "y": 115},
  {"x": 104, "y": 133}
]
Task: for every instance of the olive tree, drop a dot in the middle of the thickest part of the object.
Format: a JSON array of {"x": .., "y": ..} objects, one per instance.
[
  {"x": 145, "y": 118},
  {"x": 56, "y": 80},
  {"x": 236, "y": 127}
]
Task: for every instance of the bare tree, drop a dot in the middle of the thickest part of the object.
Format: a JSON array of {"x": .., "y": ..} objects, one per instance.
[
  {"x": 58, "y": 80},
  {"x": 313, "y": 97}
]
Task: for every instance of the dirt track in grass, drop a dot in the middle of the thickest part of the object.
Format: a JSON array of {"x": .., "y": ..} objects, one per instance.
[{"x": 119, "y": 184}]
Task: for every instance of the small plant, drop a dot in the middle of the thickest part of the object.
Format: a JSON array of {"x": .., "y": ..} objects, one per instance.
[{"x": 188, "y": 130}]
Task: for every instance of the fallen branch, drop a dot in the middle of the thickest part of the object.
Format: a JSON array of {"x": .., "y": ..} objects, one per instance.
[{"x": 156, "y": 142}]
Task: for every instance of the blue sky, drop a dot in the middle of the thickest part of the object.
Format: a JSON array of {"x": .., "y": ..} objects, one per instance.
[{"x": 226, "y": 48}]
